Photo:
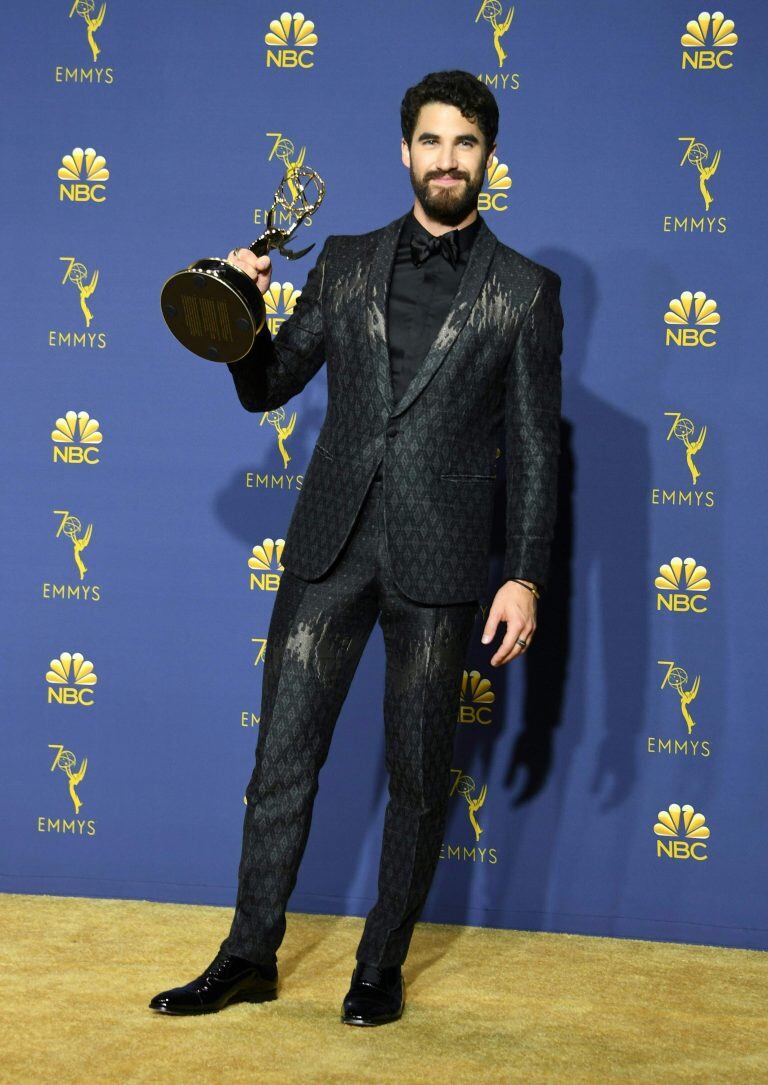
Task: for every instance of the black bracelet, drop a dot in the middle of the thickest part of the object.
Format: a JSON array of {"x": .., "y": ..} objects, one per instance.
[{"x": 534, "y": 590}]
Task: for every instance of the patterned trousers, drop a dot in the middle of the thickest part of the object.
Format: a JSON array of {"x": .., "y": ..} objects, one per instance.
[{"x": 317, "y": 633}]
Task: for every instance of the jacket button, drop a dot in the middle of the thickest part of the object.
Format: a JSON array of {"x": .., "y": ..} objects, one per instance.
[{"x": 392, "y": 430}]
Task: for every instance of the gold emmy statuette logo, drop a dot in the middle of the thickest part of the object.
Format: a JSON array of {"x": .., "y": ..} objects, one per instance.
[
  {"x": 465, "y": 785},
  {"x": 682, "y": 832},
  {"x": 75, "y": 438},
  {"x": 283, "y": 429},
  {"x": 697, "y": 154},
  {"x": 490, "y": 10},
  {"x": 291, "y": 38},
  {"x": 477, "y": 697},
  {"x": 677, "y": 678},
  {"x": 691, "y": 320},
  {"x": 85, "y": 173},
  {"x": 499, "y": 183},
  {"x": 707, "y": 42},
  {"x": 84, "y": 8},
  {"x": 265, "y": 575},
  {"x": 76, "y": 274},
  {"x": 66, "y": 761},
  {"x": 71, "y": 679},
  {"x": 682, "y": 586},
  {"x": 71, "y": 527},
  {"x": 682, "y": 429}
]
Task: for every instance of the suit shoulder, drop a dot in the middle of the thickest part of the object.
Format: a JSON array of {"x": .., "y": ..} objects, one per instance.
[
  {"x": 347, "y": 242},
  {"x": 530, "y": 274}
]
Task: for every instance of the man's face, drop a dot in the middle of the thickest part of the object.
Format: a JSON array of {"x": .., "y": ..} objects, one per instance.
[{"x": 446, "y": 162}]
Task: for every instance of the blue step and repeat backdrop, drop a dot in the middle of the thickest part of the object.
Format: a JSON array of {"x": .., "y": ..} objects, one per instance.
[{"x": 613, "y": 783}]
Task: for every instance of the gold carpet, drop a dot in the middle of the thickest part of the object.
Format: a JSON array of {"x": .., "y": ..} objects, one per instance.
[{"x": 482, "y": 1006}]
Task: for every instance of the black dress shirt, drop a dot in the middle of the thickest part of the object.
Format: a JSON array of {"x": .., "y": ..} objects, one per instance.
[{"x": 419, "y": 300}]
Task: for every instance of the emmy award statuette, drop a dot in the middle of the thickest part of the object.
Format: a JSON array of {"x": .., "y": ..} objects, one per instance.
[{"x": 212, "y": 307}]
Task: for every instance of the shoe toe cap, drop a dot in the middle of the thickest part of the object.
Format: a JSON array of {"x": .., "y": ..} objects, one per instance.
[{"x": 174, "y": 998}]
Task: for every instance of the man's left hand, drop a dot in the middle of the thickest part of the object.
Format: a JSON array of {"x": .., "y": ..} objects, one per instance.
[{"x": 515, "y": 605}]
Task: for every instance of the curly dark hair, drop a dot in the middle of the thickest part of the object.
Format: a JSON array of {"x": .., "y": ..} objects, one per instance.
[{"x": 458, "y": 88}]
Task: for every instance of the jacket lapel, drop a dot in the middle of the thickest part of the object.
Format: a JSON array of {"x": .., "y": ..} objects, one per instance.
[{"x": 377, "y": 294}]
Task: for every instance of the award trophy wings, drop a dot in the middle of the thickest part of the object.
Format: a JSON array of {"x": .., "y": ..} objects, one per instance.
[{"x": 212, "y": 307}]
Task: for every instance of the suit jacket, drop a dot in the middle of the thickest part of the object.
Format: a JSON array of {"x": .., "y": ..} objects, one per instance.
[{"x": 492, "y": 372}]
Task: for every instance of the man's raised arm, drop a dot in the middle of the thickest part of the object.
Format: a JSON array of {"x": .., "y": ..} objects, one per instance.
[{"x": 275, "y": 370}]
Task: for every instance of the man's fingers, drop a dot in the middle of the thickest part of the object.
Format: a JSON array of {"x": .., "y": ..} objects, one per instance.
[
  {"x": 490, "y": 626},
  {"x": 248, "y": 262},
  {"x": 509, "y": 648},
  {"x": 507, "y": 645}
]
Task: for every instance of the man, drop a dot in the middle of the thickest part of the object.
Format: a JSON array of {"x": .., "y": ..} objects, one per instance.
[{"x": 437, "y": 337}]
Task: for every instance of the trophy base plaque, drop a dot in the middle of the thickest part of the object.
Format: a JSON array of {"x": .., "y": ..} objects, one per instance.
[{"x": 214, "y": 309}]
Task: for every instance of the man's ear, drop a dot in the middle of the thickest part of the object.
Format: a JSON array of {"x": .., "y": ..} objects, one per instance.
[
  {"x": 405, "y": 152},
  {"x": 489, "y": 156}
]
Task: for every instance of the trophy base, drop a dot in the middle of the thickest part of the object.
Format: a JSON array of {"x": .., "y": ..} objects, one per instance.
[{"x": 214, "y": 309}]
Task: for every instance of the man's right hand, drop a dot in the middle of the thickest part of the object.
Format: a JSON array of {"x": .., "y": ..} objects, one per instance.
[{"x": 258, "y": 268}]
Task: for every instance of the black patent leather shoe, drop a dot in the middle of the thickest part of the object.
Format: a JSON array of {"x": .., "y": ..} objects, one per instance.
[
  {"x": 227, "y": 979},
  {"x": 376, "y": 996}
]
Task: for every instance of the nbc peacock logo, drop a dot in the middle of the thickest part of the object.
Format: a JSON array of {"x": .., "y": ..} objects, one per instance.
[
  {"x": 265, "y": 565},
  {"x": 498, "y": 184},
  {"x": 290, "y": 41},
  {"x": 691, "y": 320},
  {"x": 82, "y": 175},
  {"x": 682, "y": 586},
  {"x": 71, "y": 679},
  {"x": 76, "y": 438},
  {"x": 477, "y": 697},
  {"x": 279, "y": 302},
  {"x": 708, "y": 42},
  {"x": 680, "y": 833}
]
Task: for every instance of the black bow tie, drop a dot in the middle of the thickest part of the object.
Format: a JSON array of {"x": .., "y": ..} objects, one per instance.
[{"x": 423, "y": 246}]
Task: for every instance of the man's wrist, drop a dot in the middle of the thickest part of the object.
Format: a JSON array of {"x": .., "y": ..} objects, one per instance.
[{"x": 531, "y": 585}]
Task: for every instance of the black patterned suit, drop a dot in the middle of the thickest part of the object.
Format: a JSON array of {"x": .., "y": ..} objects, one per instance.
[{"x": 407, "y": 544}]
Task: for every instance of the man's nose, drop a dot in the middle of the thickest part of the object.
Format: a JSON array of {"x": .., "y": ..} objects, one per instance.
[{"x": 446, "y": 160}]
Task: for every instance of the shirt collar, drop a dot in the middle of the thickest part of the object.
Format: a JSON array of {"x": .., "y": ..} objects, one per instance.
[{"x": 464, "y": 237}]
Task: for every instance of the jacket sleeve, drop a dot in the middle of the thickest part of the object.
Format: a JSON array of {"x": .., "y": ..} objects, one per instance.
[
  {"x": 532, "y": 408},
  {"x": 276, "y": 369}
]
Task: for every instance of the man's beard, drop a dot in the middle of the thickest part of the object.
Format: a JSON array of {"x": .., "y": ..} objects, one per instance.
[{"x": 452, "y": 204}]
